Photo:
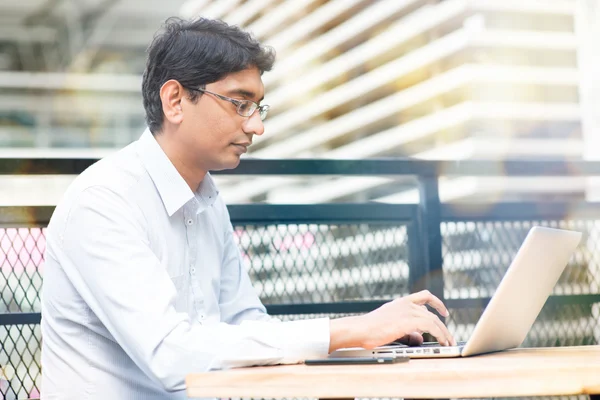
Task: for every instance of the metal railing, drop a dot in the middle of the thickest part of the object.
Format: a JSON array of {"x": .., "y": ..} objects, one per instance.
[{"x": 340, "y": 259}]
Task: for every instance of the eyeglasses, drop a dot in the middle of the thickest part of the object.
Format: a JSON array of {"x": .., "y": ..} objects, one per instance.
[{"x": 245, "y": 108}]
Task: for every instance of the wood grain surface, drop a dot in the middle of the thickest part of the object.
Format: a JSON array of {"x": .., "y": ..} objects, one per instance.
[{"x": 517, "y": 372}]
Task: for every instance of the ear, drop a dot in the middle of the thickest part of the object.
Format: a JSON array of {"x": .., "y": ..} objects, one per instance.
[{"x": 171, "y": 94}]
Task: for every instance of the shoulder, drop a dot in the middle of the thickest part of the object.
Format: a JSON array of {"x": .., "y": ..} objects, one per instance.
[
  {"x": 110, "y": 185},
  {"x": 120, "y": 172}
]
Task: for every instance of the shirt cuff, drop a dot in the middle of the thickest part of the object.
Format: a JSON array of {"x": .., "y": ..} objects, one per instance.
[{"x": 306, "y": 339}]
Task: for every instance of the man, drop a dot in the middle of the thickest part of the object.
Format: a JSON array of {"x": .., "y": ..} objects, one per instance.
[{"x": 143, "y": 280}]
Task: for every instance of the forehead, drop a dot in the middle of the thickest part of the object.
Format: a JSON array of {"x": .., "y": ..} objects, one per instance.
[{"x": 247, "y": 80}]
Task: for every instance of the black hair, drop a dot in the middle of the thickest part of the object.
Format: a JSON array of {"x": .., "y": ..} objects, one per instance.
[{"x": 196, "y": 53}]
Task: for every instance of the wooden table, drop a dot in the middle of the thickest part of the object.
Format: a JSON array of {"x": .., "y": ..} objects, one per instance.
[{"x": 517, "y": 372}]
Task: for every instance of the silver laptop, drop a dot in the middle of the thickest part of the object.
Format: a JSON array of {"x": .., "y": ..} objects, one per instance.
[{"x": 514, "y": 307}]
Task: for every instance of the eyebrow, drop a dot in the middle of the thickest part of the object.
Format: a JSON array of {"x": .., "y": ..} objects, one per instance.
[{"x": 245, "y": 93}]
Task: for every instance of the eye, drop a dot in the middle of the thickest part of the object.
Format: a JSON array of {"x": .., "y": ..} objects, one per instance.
[{"x": 246, "y": 107}]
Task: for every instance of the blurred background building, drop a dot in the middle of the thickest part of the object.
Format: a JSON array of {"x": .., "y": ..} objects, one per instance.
[
  {"x": 451, "y": 79},
  {"x": 426, "y": 79}
]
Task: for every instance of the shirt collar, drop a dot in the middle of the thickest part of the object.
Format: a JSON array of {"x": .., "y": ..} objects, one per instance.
[{"x": 171, "y": 186}]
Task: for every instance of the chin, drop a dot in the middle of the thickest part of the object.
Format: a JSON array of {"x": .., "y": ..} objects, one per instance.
[{"x": 229, "y": 164}]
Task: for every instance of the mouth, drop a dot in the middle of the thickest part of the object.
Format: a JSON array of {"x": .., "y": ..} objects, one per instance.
[{"x": 241, "y": 147}]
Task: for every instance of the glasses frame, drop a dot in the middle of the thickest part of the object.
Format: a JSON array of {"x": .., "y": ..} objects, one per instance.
[{"x": 262, "y": 109}]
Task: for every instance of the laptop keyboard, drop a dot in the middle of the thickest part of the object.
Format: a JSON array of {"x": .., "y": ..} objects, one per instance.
[
  {"x": 436, "y": 344},
  {"x": 431, "y": 344}
]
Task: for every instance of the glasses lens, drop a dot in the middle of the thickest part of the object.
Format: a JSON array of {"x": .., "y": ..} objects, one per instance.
[
  {"x": 263, "y": 112},
  {"x": 246, "y": 108}
]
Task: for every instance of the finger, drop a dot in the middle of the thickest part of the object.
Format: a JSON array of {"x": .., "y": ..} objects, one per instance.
[
  {"x": 448, "y": 336},
  {"x": 426, "y": 324},
  {"x": 426, "y": 297},
  {"x": 414, "y": 339},
  {"x": 404, "y": 340}
]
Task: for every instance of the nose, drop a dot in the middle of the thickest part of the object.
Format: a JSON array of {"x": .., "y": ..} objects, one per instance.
[{"x": 254, "y": 124}]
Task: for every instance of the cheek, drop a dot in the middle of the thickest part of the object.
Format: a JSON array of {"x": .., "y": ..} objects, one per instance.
[
  {"x": 211, "y": 129},
  {"x": 222, "y": 130}
]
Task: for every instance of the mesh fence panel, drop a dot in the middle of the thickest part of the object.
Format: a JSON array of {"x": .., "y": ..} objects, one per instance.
[
  {"x": 320, "y": 263},
  {"x": 21, "y": 267},
  {"x": 21, "y": 263},
  {"x": 20, "y": 361},
  {"x": 308, "y": 263},
  {"x": 478, "y": 253},
  {"x": 557, "y": 325}
]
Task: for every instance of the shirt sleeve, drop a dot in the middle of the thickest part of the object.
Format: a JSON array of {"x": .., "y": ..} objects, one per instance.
[
  {"x": 238, "y": 300},
  {"x": 104, "y": 251}
]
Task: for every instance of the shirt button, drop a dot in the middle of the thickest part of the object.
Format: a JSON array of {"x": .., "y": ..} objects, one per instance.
[
  {"x": 190, "y": 221},
  {"x": 193, "y": 270}
]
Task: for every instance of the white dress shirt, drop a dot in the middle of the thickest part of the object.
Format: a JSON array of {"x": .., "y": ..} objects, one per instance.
[{"x": 143, "y": 284}]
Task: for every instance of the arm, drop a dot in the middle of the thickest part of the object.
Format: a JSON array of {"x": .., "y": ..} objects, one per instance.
[
  {"x": 405, "y": 317},
  {"x": 104, "y": 252},
  {"x": 238, "y": 300}
]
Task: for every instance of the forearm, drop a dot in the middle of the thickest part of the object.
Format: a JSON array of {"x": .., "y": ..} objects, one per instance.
[
  {"x": 201, "y": 348},
  {"x": 345, "y": 332}
]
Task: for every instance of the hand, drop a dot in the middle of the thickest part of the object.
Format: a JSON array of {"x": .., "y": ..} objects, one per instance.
[
  {"x": 412, "y": 339},
  {"x": 398, "y": 318}
]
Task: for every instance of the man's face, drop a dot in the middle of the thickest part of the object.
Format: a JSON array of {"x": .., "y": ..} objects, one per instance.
[{"x": 212, "y": 130}]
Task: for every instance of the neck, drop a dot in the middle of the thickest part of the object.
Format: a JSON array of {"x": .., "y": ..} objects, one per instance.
[{"x": 190, "y": 173}]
